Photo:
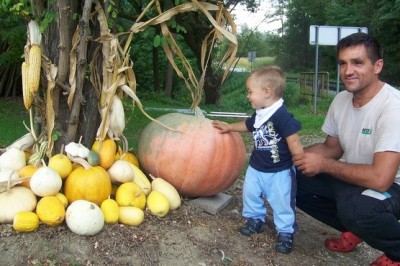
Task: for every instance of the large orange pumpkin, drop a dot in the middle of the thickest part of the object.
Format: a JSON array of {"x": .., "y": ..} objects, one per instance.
[{"x": 196, "y": 159}]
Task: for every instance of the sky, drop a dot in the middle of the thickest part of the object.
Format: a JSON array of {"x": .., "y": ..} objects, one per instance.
[{"x": 255, "y": 20}]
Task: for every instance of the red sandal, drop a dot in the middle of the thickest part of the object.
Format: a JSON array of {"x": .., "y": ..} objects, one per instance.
[
  {"x": 385, "y": 261},
  {"x": 345, "y": 243}
]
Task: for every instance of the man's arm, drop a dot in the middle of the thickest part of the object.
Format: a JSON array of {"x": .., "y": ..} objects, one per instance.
[
  {"x": 322, "y": 158},
  {"x": 330, "y": 148},
  {"x": 378, "y": 176}
]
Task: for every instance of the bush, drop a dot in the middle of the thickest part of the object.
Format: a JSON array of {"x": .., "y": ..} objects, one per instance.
[{"x": 291, "y": 94}]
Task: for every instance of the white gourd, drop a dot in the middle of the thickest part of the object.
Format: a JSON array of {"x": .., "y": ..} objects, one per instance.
[
  {"x": 45, "y": 182},
  {"x": 120, "y": 172},
  {"x": 13, "y": 159},
  {"x": 15, "y": 200},
  {"x": 117, "y": 118},
  {"x": 84, "y": 218},
  {"x": 77, "y": 150}
]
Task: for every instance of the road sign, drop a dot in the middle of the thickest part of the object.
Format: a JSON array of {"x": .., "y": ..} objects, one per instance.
[{"x": 330, "y": 35}]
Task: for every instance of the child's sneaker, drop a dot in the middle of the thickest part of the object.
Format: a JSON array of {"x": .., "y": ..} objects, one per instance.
[
  {"x": 284, "y": 243},
  {"x": 252, "y": 226}
]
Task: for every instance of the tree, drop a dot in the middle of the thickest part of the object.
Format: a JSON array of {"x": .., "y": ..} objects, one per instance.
[
  {"x": 86, "y": 63},
  {"x": 12, "y": 39}
]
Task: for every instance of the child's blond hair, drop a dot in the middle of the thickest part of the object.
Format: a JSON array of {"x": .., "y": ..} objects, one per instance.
[{"x": 270, "y": 76}]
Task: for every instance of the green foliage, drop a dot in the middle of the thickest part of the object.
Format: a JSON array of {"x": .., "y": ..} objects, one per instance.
[
  {"x": 12, "y": 119},
  {"x": 252, "y": 40},
  {"x": 292, "y": 94},
  {"x": 12, "y": 39},
  {"x": 380, "y": 17}
]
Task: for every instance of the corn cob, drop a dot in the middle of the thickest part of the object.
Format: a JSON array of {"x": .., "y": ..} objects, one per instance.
[
  {"x": 117, "y": 118},
  {"x": 35, "y": 62},
  {"x": 27, "y": 94}
]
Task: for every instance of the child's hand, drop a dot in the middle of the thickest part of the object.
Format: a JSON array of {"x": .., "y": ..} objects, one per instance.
[{"x": 223, "y": 127}]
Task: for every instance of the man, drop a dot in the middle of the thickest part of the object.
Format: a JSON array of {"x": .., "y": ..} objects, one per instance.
[{"x": 359, "y": 194}]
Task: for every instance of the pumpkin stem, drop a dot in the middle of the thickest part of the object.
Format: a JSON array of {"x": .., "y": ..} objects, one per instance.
[
  {"x": 152, "y": 177},
  {"x": 62, "y": 149},
  {"x": 80, "y": 161}
]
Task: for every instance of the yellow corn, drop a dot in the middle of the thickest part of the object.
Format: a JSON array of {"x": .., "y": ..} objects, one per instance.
[
  {"x": 26, "y": 93},
  {"x": 35, "y": 62}
]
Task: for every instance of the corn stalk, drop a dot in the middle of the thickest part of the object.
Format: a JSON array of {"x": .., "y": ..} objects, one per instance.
[{"x": 111, "y": 70}]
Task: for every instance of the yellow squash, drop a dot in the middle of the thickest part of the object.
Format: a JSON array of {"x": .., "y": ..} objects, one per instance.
[
  {"x": 130, "y": 215},
  {"x": 26, "y": 222},
  {"x": 110, "y": 210},
  {"x": 50, "y": 210}
]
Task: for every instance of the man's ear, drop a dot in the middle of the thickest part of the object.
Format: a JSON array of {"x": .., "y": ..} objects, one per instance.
[{"x": 378, "y": 66}]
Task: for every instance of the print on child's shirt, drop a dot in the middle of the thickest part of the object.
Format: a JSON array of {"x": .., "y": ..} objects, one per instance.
[{"x": 265, "y": 138}]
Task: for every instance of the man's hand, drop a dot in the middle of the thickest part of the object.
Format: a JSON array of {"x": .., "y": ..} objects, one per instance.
[{"x": 310, "y": 164}]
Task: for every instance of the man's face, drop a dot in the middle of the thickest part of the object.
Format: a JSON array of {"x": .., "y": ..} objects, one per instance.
[{"x": 356, "y": 69}]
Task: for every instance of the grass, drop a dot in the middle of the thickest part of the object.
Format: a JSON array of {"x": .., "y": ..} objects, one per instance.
[
  {"x": 12, "y": 119},
  {"x": 13, "y": 114}
]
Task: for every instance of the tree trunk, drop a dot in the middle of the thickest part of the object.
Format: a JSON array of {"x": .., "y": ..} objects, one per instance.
[
  {"x": 196, "y": 29},
  {"x": 82, "y": 119},
  {"x": 212, "y": 87},
  {"x": 169, "y": 78}
]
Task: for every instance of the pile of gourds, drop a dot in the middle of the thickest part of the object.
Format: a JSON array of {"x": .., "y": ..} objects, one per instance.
[{"x": 85, "y": 188}]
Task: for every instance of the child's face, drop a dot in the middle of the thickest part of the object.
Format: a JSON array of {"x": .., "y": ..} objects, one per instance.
[{"x": 257, "y": 96}]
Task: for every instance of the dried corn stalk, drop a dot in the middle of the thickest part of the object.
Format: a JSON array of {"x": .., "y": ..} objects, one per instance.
[{"x": 171, "y": 47}]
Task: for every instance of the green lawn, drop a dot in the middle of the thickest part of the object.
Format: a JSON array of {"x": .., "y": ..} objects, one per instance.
[{"x": 13, "y": 114}]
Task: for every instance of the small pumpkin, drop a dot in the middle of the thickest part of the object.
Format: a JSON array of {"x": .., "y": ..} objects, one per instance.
[
  {"x": 106, "y": 150},
  {"x": 15, "y": 200},
  {"x": 13, "y": 158},
  {"x": 130, "y": 215},
  {"x": 87, "y": 183},
  {"x": 45, "y": 182},
  {"x": 130, "y": 157},
  {"x": 120, "y": 172},
  {"x": 61, "y": 164},
  {"x": 26, "y": 221},
  {"x": 193, "y": 157},
  {"x": 130, "y": 194},
  {"x": 50, "y": 210},
  {"x": 124, "y": 153},
  {"x": 84, "y": 218},
  {"x": 77, "y": 150},
  {"x": 93, "y": 158}
]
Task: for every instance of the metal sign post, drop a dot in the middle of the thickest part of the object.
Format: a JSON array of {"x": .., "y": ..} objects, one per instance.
[
  {"x": 328, "y": 35},
  {"x": 252, "y": 58}
]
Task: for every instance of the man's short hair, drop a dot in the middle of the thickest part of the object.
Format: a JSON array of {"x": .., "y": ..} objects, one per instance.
[{"x": 374, "y": 49}]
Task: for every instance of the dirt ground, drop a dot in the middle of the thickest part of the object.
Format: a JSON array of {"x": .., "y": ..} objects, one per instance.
[{"x": 187, "y": 236}]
